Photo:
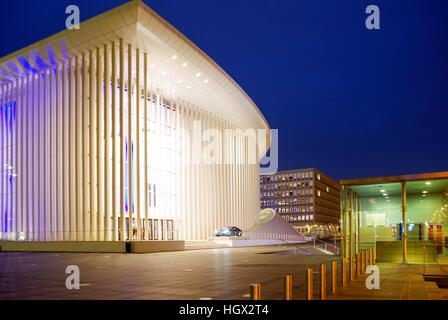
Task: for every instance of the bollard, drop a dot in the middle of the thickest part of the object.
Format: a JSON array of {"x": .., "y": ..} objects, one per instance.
[
  {"x": 352, "y": 271},
  {"x": 255, "y": 292},
  {"x": 344, "y": 272},
  {"x": 334, "y": 276},
  {"x": 367, "y": 258},
  {"x": 373, "y": 255},
  {"x": 363, "y": 261},
  {"x": 358, "y": 265},
  {"x": 309, "y": 284},
  {"x": 323, "y": 282},
  {"x": 287, "y": 287}
]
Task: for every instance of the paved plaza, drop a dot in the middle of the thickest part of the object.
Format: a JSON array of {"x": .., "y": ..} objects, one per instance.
[
  {"x": 215, "y": 273},
  {"x": 221, "y": 273}
]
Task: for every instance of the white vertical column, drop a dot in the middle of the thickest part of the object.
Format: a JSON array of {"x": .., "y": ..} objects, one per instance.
[
  {"x": 9, "y": 161},
  {"x": 225, "y": 179},
  {"x": 137, "y": 143},
  {"x": 208, "y": 186},
  {"x": 237, "y": 175},
  {"x": 217, "y": 180},
  {"x": 179, "y": 228},
  {"x": 155, "y": 160},
  {"x": 249, "y": 193},
  {"x": 27, "y": 180},
  {"x": 246, "y": 194},
  {"x": 52, "y": 175},
  {"x": 31, "y": 162},
  {"x": 7, "y": 164},
  {"x": 2, "y": 161},
  {"x": 243, "y": 217},
  {"x": 204, "y": 187},
  {"x": 197, "y": 194},
  {"x": 229, "y": 177},
  {"x": 173, "y": 158},
  {"x": 194, "y": 174},
  {"x": 115, "y": 154},
  {"x": 18, "y": 198},
  {"x": 187, "y": 167},
  {"x": 58, "y": 151},
  {"x": 100, "y": 145},
  {"x": 184, "y": 142},
  {"x": 191, "y": 191},
  {"x": 93, "y": 172},
  {"x": 145, "y": 141},
  {"x": 234, "y": 177},
  {"x": 78, "y": 152},
  {"x": 149, "y": 158},
  {"x": 160, "y": 164},
  {"x": 13, "y": 180},
  {"x": 85, "y": 151},
  {"x": 45, "y": 155},
  {"x": 38, "y": 134},
  {"x": 122, "y": 145},
  {"x": 64, "y": 150},
  {"x": 107, "y": 138},
  {"x": 71, "y": 122},
  {"x": 24, "y": 181},
  {"x": 204, "y": 177},
  {"x": 28, "y": 183},
  {"x": 130, "y": 180}
]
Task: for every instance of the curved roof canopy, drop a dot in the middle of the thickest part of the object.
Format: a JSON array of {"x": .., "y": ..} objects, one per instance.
[{"x": 177, "y": 67}]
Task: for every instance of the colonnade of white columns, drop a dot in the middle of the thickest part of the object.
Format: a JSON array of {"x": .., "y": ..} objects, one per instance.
[{"x": 68, "y": 131}]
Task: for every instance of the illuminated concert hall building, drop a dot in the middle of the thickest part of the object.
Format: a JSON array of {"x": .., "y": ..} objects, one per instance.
[{"x": 94, "y": 141}]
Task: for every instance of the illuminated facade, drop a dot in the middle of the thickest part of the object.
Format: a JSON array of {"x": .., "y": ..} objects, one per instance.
[{"x": 79, "y": 145}]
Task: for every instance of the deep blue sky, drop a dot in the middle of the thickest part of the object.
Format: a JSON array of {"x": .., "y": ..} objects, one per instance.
[{"x": 346, "y": 100}]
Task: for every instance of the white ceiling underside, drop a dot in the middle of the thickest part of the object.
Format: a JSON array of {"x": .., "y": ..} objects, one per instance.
[{"x": 176, "y": 67}]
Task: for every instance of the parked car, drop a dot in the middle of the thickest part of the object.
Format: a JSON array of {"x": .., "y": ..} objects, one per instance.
[{"x": 228, "y": 232}]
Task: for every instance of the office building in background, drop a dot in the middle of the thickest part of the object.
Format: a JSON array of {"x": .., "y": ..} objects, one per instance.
[{"x": 303, "y": 197}]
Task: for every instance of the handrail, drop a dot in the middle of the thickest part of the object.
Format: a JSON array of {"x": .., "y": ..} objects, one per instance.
[{"x": 335, "y": 248}]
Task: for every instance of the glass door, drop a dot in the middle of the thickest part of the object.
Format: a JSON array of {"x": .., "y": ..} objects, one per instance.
[
  {"x": 156, "y": 229},
  {"x": 150, "y": 232},
  {"x": 170, "y": 229}
]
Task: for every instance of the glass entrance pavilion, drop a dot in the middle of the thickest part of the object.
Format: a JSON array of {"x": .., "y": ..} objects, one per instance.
[{"x": 405, "y": 218}]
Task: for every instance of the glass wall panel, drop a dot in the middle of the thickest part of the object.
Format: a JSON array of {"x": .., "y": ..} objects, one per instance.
[
  {"x": 427, "y": 213},
  {"x": 381, "y": 224},
  {"x": 379, "y": 214}
]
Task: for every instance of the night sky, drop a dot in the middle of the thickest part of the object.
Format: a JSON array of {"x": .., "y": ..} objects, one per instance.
[{"x": 349, "y": 101}]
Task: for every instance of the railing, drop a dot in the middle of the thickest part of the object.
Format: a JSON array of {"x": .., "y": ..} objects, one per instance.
[
  {"x": 326, "y": 246},
  {"x": 270, "y": 236}
]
